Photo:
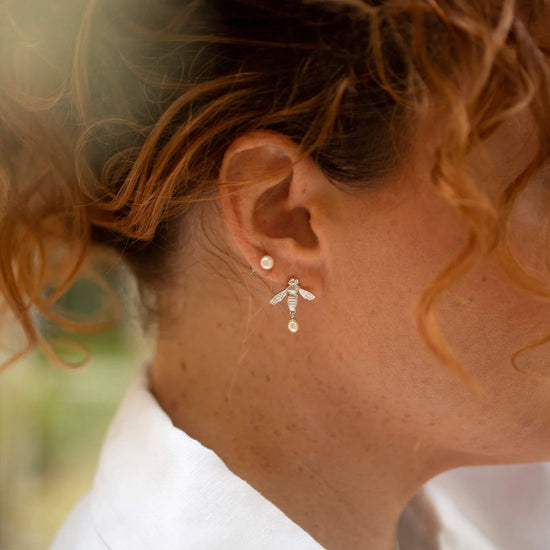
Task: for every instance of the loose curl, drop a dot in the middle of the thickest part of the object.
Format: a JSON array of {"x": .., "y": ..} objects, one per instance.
[{"x": 111, "y": 131}]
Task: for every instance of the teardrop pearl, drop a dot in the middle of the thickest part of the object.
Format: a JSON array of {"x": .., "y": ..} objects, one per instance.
[{"x": 293, "y": 325}]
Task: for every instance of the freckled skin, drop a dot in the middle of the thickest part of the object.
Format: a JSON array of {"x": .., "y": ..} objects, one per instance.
[{"x": 340, "y": 423}]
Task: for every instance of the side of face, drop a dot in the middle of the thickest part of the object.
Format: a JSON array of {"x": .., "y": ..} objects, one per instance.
[
  {"x": 367, "y": 257},
  {"x": 387, "y": 245}
]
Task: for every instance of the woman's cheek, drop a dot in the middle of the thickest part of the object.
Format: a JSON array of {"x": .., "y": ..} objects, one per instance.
[{"x": 529, "y": 225}]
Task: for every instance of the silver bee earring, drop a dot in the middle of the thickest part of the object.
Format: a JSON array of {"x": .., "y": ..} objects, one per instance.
[{"x": 292, "y": 291}]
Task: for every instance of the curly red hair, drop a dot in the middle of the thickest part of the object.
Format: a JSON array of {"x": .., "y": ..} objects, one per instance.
[{"x": 115, "y": 116}]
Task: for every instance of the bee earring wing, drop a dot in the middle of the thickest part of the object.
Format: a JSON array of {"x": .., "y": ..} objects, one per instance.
[
  {"x": 278, "y": 297},
  {"x": 306, "y": 294}
]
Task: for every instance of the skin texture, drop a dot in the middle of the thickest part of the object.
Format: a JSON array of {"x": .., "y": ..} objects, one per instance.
[{"x": 342, "y": 422}]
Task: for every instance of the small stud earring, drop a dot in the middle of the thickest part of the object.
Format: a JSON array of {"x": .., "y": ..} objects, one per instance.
[
  {"x": 267, "y": 262},
  {"x": 293, "y": 290}
]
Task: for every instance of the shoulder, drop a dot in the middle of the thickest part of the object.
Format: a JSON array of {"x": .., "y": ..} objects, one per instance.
[{"x": 77, "y": 531}]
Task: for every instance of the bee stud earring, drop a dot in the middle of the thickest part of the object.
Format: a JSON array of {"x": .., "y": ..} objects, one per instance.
[{"x": 292, "y": 291}]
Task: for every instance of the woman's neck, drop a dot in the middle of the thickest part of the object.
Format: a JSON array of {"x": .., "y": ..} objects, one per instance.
[{"x": 265, "y": 408}]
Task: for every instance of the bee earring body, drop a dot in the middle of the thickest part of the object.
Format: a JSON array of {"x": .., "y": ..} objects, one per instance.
[{"x": 292, "y": 292}]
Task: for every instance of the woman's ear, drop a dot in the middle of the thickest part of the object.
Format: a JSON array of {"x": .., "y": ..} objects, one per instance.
[{"x": 270, "y": 195}]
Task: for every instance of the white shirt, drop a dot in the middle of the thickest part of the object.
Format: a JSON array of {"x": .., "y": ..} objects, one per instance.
[{"x": 156, "y": 488}]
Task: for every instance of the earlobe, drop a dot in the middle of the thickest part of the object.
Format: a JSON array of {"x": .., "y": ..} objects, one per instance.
[{"x": 267, "y": 194}]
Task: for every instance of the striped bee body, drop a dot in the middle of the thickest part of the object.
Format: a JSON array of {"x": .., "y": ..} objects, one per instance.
[{"x": 292, "y": 301}]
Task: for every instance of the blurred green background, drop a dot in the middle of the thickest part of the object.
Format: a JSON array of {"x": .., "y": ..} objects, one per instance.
[{"x": 53, "y": 420}]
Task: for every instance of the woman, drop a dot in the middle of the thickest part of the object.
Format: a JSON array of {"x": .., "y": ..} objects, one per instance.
[{"x": 336, "y": 211}]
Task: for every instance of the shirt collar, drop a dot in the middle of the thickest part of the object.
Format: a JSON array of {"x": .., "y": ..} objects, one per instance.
[{"x": 157, "y": 488}]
